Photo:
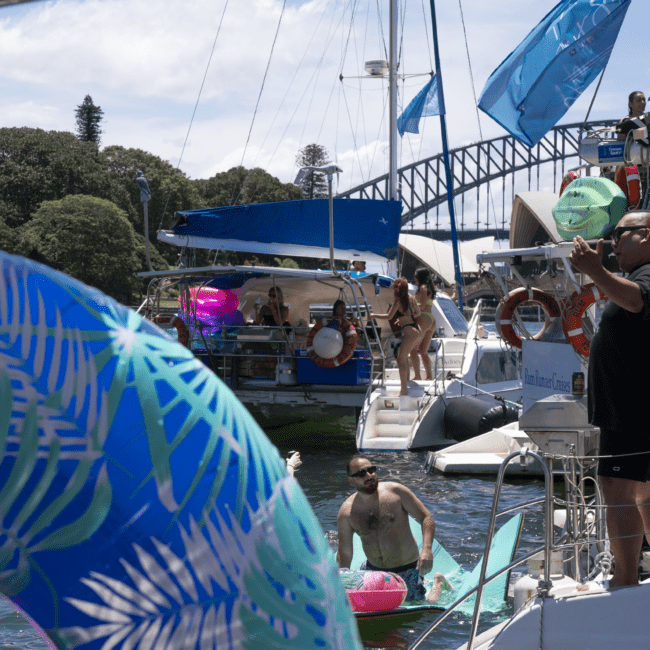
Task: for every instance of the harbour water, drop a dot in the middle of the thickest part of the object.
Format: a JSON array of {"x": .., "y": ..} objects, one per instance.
[{"x": 461, "y": 508}]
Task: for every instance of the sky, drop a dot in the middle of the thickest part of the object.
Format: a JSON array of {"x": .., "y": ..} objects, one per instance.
[{"x": 269, "y": 91}]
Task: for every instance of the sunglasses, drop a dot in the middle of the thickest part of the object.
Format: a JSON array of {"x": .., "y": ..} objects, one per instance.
[
  {"x": 362, "y": 472},
  {"x": 619, "y": 230},
  {"x": 271, "y": 295}
]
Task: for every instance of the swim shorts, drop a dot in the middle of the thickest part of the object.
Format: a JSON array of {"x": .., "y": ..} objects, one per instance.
[
  {"x": 631, "y": 455},
  {"x": 409, "y": 573}
]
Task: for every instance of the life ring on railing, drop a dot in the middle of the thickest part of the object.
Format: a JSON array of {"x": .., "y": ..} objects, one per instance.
[
  {"x": 567, "y": 180},
  {"x": 627, "y": 178},
  {"x": 174, "y": 321},
  {"x": 349, "y": 344},
  {"x": 572, "y": 320},
  {"x": 506, "y": 309}
]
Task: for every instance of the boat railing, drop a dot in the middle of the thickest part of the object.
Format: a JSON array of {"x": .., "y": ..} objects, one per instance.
[
  {"x": 544, "y": 584},
  {"x": 584, "y": 526}
]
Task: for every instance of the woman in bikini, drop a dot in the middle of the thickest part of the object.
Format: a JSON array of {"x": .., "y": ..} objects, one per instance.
[
  {"x": 427, "y": 322},
  {"x": 407, "y": 311}
]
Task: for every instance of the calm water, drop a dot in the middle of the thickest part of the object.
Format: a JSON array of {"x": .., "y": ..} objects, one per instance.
[{"x": 460, "y": 506}]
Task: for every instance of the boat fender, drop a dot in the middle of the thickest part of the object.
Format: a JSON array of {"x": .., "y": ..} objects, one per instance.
[
  {"x": 349, "y": 344},
  {"x": 627, "y": 178},
  {"x": 507, "y": 306},
  {"x": 174, "y": 321},
  {"x": 572, "y": 321},
  {"x": 468, "y": 416},
  {"x": 373, "y": 591}
]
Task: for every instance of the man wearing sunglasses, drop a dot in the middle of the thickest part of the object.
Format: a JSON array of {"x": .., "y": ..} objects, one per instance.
[
  {"x": 379, "y": 514},
  {"x": 619, "y": 362}
]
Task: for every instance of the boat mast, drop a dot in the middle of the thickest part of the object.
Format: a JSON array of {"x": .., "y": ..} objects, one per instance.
[
  {"x": 393, "y": 193},
  {"x": 445, "y": 154}
]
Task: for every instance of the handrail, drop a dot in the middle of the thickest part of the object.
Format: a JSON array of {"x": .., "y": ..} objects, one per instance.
[{"x": 544, "y": 585}]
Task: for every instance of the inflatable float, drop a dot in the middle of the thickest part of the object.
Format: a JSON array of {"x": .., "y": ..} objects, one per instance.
[
  {"x": 140, "y": 504},
  {"x": 445, "y": 583}
]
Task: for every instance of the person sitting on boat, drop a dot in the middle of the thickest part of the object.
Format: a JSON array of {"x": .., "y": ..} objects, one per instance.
[
  {"x": 379, "y": 514},
  {"x": 427, "y": 322},
  {"x": 635, "y": 119},
  {"x": 619, "y": 358},
  {"x": 338, "y": 312},
  {"x": 359, "y": 266},
  {"x": 274, "y": 313},
  {"x": 407, "y": 311}
]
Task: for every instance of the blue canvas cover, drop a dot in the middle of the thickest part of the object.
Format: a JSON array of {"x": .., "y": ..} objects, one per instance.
[
  {"x": 541, "y": 79},
  {"x": 359, "y": 224},
  {"x": 425, "y": 104}
]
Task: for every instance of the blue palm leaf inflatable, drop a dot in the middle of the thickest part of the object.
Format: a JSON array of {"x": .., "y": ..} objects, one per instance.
[{"x": 140, "y": 504}]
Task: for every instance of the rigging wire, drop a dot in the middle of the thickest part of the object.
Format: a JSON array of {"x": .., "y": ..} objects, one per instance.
[
  {"x": 207, "y": 67},
  {"x": 268, "y": 65},
  {"x": 315, "y": 74},
  {"x": 478, "y": 117}
]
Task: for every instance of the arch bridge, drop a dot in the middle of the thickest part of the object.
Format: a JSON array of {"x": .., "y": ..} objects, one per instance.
[{"x": 423, "y": 184}]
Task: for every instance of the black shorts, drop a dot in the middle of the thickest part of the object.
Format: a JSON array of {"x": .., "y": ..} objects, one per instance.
[{"x": 631, "y": 451}]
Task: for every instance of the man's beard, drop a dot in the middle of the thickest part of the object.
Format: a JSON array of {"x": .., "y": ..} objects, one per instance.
[{"x": 369, "y": 489}]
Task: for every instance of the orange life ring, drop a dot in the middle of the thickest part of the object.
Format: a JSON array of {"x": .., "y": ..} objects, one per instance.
[
  {"x": 174, "y": 321},
  {"x": 505, "y": 311},
  {"x": 627, "y": 178},
  {"x": 567, "y": 180},
  {"x": 572, "y": 320},
  {"x": 349, "y": 344}
]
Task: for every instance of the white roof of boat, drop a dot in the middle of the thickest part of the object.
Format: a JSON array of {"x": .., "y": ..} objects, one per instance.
[{"x": 440, "y": 257}]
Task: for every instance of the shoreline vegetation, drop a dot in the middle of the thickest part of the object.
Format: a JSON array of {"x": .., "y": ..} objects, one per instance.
[{"x": 76, "y": 207}]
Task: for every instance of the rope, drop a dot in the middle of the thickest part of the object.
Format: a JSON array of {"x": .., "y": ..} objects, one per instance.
[
  {"x": 478, "y": 116},
  {"x": 268, "y": 65},
  {"x": 214, "y": 45}
]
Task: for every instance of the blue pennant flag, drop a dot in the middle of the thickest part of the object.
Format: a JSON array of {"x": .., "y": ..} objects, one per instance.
[
  {"x": 424, "y": 104},
  {"x": 541, "y": 79}
]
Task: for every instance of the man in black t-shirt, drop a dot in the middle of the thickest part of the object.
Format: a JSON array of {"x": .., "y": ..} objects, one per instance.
[{"x": 619, "y": 363}]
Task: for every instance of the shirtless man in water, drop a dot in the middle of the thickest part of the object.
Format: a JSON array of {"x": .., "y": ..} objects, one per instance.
[{"x": 379, "y": 513}]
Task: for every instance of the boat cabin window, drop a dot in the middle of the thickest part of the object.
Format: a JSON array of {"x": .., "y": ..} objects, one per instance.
[
  {"x": 500, "y": 365},
  {"x": 453, "y": 315}
]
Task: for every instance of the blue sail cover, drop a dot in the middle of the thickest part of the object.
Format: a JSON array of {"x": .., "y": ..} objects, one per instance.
[
  {"x": 541, "y": 79},
  {"x": 425, "y": 104},
  {"x": 369, "y": 226}
]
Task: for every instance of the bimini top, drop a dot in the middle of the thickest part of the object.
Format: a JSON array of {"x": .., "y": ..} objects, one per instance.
[{"x": 364, "y": 227}]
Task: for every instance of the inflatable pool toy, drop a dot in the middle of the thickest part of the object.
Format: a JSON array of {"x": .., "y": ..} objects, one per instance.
[
  {"x": 373, "y": 591},
  {"x": 590, "y": 207},
  {"x": 447, "y": 581},
  {"x": 140, "y": 504}
]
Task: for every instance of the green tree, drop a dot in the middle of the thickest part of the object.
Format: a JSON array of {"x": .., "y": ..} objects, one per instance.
[
  {"x": 241, "y": 186},
  {"x": 89, "y": 118},
  {"x": 171, "y": 191},
  {"x": 88, "y": 238},
  {"x": 8, "y": 236},
  {"x": 314, "y": 184},
  {"x": 37, "y": 166}
]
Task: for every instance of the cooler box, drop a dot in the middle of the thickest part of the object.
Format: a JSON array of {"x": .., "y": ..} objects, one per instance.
[{"x": 353, "y": 373}]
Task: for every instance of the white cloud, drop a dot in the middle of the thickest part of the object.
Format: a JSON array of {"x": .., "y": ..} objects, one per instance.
[{"x": 143, "y": 62}]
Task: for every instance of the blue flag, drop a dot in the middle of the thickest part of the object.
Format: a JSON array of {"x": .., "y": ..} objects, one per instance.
[
  {"x": 541, "y": 79},
  {"x": 424, "y": 104}
]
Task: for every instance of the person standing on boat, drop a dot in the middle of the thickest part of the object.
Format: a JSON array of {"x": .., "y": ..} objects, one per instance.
[
  {"x": 427, "y": 322},
  {"x": 274, "y": 313},
  {"x": 407, "y": 311},
  {"x": 379, "y": 514},
  {"x": 619, "y": 359},
  {"x": 633, "y": 120}
]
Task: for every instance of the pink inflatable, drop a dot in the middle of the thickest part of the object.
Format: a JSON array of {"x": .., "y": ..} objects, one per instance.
[
  {"x": 214, "y": 307},
  {"x": 373, "y": 591}
]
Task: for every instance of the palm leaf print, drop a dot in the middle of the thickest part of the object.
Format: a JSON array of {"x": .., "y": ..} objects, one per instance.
[{"x": 229, "y": 590}]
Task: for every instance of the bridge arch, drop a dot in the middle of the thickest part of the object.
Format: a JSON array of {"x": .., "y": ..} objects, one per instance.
[{"x": 423, "y": 185}]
